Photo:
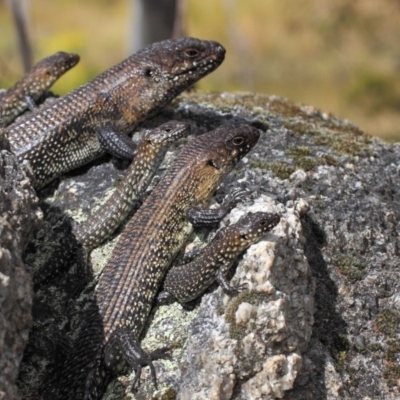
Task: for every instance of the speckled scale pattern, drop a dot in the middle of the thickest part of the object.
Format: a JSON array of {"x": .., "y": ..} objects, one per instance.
[
  {"x": 186, "y": 282},
  {"x": 62, "y": 136},
  {"x": 153, "y": 237},
  {"x": 146, "y": 248},
  {"x": 102, "y": 223},
  {"x": 34, "y": 84}
]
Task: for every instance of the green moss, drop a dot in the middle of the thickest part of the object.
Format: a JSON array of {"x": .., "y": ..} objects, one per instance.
[
  {"x": 168, "y": 394},
  {"x": 308, "y": 163},
  {"x": 375, "y": 347},
  {"x": 248, "y": 358},
  {"x": 392, "y": 368},
  {"x": 392, "y": 374},
  {"x": 285, "y": 107},
  {"x": 238, "y": 331},
  {"x": 343, "y": 137},
  {"x": 352, "y": 267},
  {"x": 388, "y": 321},
  {"x": 300, "y": 128},
  {"x": 345, "y": 142},
  {"x": 323, "y": 140},
  {"x": 339, "y": 348},
  {"x": 260, "y": 164},
  {"x": 282, "y": 170},
  {"x": 330, "y": 160},
  {"x": 304, "y": 160},
  {"x": 296, "y": 151},
  {"x": 393, "y": 352},
  {"x": 341, "y": 361}
]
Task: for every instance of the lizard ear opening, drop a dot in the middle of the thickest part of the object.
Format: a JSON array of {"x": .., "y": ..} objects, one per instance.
[{"x": 213, "y": 163}]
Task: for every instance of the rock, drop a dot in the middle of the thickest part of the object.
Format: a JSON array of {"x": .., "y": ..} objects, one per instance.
[
  {"x": 320, "y": 318},
  {"x": 19, "y": 217},
  {"x": 259, "y": 335}
]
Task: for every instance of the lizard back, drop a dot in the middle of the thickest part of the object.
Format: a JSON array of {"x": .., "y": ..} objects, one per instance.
[
  {"x": 64, "y": 135},
  {"x": 143, "y": 253},
  {"x": 150, "y": 241}
]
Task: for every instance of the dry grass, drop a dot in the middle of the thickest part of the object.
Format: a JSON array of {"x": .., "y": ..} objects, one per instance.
[{"x": 339, "y": 56}]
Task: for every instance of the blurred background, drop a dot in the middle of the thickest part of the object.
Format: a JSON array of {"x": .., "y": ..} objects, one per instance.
[{"x": 341, "y": 56}]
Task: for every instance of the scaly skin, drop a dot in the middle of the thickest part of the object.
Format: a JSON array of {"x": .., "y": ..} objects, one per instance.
[
  {"x": 96, "y": 117},
  {"x": 151, "y": 151},
  {"x": 187, "y": 282},
  {"x": 34, "y": 85},
  {"x": 140, "y": 260}
]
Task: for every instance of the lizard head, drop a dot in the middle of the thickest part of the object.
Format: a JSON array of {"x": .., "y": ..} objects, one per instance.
[
  {"x": 248, "y": 230},
  {"x": 180, "y": 62},
  {"x": 51, "y": 68},
  {"x": 230, "y": 143},
  {"x": 168, "y": 132},
  {"x": 252, "y": 226}
]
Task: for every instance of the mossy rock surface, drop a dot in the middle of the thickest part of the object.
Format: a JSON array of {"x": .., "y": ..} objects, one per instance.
[{"x": 349, "y": 238}]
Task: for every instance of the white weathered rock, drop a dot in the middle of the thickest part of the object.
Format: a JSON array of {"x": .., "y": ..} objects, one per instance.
[{"x": 261, "y": 333}]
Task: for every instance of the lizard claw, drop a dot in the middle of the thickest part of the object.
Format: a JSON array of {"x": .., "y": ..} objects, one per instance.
[
  {"x": 159, "y": 354},
  {"x": 234, "y": 290}
]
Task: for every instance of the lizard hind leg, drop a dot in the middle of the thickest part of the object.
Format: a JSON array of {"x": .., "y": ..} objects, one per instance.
[{"x": 124, "y": 342}]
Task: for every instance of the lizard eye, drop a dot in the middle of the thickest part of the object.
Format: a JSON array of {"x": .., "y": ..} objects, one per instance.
[
  {"x": 238, "y": 141},
  {"x": 244, "y": 237},
  {"x": 191, "y": 53}
]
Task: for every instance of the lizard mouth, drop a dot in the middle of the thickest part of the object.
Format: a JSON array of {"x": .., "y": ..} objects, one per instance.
[{"x": 199, "y": 68}]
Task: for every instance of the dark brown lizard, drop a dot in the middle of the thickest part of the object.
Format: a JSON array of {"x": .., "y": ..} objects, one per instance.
[
  {"x": 142, "y": 256},
  {"x": 186, "y": 282},
  {"x": 98, "y": 116},
  {"x": 105, "y": 220},
  {"x": 34, "y": 85},
  {"x": 151, "y": 151}
]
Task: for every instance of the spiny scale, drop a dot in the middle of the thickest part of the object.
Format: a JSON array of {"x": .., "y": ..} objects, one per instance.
[
  {"x": 65, "y": 135},
  {"x": 153, "y": 237},
  {"x": 151, "y": 151},
  {"x": 142, "y": 255},
  {"x": 186, "y": 282}
]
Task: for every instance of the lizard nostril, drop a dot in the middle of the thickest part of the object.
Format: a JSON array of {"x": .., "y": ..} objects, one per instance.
[{"x": 147, "y": 72}]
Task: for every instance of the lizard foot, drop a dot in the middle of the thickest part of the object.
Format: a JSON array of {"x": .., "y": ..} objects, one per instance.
[{"x": 136, "y": 357}]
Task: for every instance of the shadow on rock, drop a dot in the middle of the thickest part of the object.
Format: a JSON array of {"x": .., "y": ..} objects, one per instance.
[
  {"x": 329, "y": 330},
  {"x": 60, "y": 274}
]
